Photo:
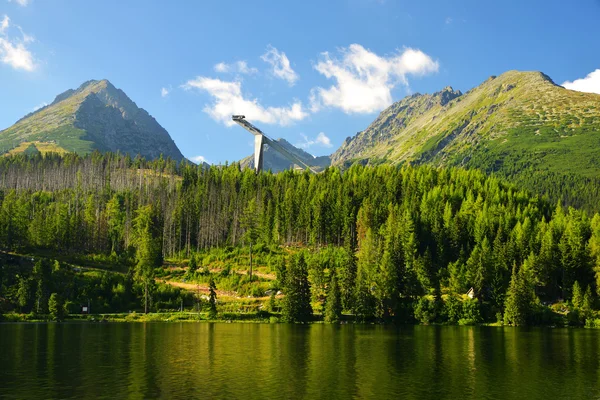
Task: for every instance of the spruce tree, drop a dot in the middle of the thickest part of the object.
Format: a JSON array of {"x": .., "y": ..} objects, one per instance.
[
  {"x": 212, "y": 298},
  {"x": 193, "y": 265},
  {"x": 577, "y": 296},
  {"x": 296, "y": 303},
  {"x": 517, "y": 304},
  {"x": 56, "y": 307},
  {"x": 148, "y": 250},
  {"x": 333, "y": 307},
  {"x": 587, "y": 305}
]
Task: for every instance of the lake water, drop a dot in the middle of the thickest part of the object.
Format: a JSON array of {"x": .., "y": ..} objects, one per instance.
[{"x": 261, "y": 361}]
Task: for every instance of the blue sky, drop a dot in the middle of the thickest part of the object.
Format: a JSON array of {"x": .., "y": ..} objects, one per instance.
[{"x": 313, "y": 72}]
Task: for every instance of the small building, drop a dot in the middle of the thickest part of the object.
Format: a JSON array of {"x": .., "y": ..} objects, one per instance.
[
  {"x": 471, "y": 293},
  {"x": 84, "y": 310}
]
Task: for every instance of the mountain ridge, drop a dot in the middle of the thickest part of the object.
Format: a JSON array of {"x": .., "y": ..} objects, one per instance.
[
  {"x": 95, "y": 116},
  {"x": 423, "y": 128}
]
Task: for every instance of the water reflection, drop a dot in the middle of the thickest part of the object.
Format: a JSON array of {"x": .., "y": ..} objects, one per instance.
[{"x": 251, "y": 361}]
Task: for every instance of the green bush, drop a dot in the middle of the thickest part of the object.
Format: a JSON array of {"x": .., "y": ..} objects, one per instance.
[
  {"x": 425, "y": 310},
  {"x": 452, "y": 310},
  {"x": 593, "y": 323},
  {"x": 471, "y": 310}
]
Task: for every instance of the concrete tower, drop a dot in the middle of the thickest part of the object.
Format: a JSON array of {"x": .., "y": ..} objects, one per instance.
[{"x": 261, "y": 139}]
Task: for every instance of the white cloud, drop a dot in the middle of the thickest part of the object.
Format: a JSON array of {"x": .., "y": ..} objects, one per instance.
[
  {"x": 22, "y": 3},
  {"x": 229, "y": 100},
  {"x": 41, "y": 105},
  {"x": 364, "y": 80},
  {"x": 199, "y": 160},
  {"x": 590, "y": 84},
  {"x": 13, "y": 51},
  {"x": 321, "y": 140},
  {"x": 239, "y": 67},
  {"x": 4, "y": 24},
  {"x": 448, "y": 20},
  {"x": 164, "y": 92},
  {"x": 281, "y": 65}
]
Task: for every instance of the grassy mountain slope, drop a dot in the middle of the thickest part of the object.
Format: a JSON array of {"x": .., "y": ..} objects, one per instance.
[
  {"x": 518, "y": 125},
  {"x": 96, "y": 116}
]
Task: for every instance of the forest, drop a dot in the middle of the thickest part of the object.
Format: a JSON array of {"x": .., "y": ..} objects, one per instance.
[{"x": 382, "y": 243}]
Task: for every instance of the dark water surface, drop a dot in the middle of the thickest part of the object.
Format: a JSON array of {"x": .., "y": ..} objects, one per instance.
[{"x": 254, "y": 361}]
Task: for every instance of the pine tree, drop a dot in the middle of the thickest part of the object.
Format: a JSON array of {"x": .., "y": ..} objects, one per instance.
[
  {"x": 193, "y": 265},
  {"x": 250, "y": 223},
  {"x": 587, "y": 304},
  {"x": 517, "y": 304},
  {"x": 56, "y": 307},
  {"x": 23, "y": 293},
  {"x": 333, "y": 307},
  {"x": 148, "y": 251},
  {"x": 577, "y": 296},
  {"x": 212, "y": 298},
  {"x": 296, "y": 303}
]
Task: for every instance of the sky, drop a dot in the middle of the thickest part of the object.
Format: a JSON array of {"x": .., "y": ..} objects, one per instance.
[{"x": 312, "y": 72}]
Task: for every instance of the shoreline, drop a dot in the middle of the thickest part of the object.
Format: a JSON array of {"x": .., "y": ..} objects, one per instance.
[{"x": 244, "y": 318}]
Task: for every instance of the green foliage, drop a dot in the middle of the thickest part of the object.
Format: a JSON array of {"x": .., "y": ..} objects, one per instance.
[
  {"x": 333, "y": 306},
  {"x": 212, "y": 299},
  {"x": 576, "y": 295},
  {"x": 56, "y": 307},
  {"x": 425, "y": 310},
  {"x": 517, "y": 308},
  {"x": 453, "y": 309},
  {"x": 390, "y": 235},
  {"x": 471, "y": 311},
  {"x": 296, "y": 303},
  {"x": 519, "y": 125}
]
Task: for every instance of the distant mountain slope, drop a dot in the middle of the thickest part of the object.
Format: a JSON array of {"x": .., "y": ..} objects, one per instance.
[
  {"x": 96, "y": 116},
  {"x": 504, "y": 120},
  {"x": 276, "y": 162},
  {"x": 519, "y": 125}
]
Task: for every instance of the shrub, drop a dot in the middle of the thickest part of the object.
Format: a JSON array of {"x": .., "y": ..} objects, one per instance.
[
  {"x": 452, "y": 310},
  {"x": 471, "y": 311},
  {"x": 425, "y": 311},
  {"x": 56, "y": 307}
]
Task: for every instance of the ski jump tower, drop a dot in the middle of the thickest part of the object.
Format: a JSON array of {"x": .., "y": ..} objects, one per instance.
[{"x": 260, "y": 139}]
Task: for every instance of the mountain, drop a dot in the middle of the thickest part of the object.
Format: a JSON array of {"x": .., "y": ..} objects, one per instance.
[
  {"x": 95, "y": 116},
  {"x": 519, "y": 125},
  {"x": 276, "y": 162}
]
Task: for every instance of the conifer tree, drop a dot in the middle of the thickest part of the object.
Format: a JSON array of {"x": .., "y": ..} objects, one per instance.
[
  {"x": 333, "y": 307},
  {"x": 148, "y": 251},
  {"x": 577, "y": 296},
  {"x": 587, "y": 305},
  {"x": 56, "y": 307},
  {"x": 296, "y": 303},
  {"x": 212, "y": 298},
  {"x": 517, "y": 304},
  {"x": 193, "y": 265}
]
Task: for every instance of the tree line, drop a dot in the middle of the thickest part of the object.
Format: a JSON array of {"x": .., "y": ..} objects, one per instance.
[{"x": 394, "y": 242}]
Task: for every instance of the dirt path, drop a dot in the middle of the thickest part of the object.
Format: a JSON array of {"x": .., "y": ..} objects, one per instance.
[
  {"x": 270, "y": 277},
  {"x": 204, "y": 290}
]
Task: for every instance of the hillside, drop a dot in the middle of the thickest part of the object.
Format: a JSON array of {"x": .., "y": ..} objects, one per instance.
[
  {"x": 519, "y": 125},
  {"x": 95, "y": 116},
  {"x": 276, "y": 162}
]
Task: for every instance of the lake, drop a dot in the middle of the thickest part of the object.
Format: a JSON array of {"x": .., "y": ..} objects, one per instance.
[{"x": 261, "y": 361}]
